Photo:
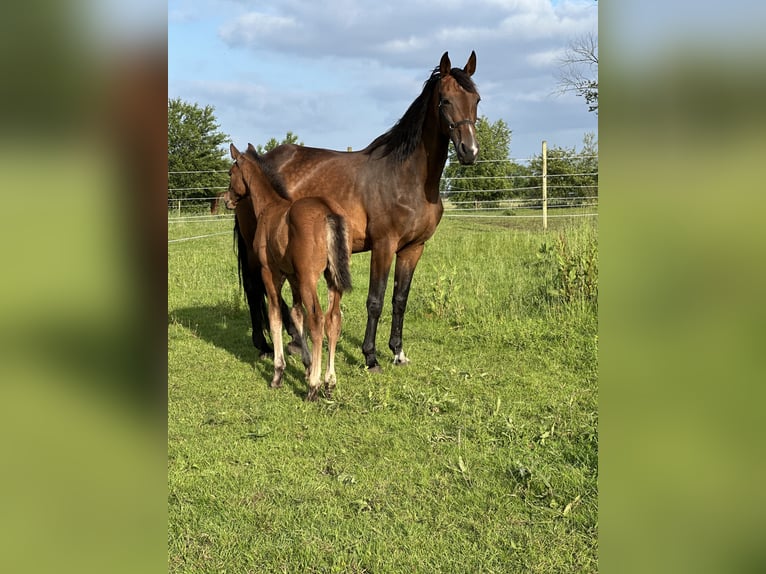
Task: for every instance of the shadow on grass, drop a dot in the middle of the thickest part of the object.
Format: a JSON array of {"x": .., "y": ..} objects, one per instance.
[{"x": 229, "y": 329}]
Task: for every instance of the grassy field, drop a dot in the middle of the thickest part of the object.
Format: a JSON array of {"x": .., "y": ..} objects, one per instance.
[{"x": 479, "y": 456}]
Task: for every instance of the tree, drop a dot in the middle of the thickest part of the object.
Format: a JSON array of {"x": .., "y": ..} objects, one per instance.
[
  {"x": 194, "y": 145},
  {"x": 487, "y": 180},
  {"x": 578, "y": 70},
  {"x": 290, "y": 138}
]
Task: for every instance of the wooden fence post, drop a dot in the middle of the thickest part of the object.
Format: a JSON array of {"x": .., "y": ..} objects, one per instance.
[{"x": 545, "y": 185}]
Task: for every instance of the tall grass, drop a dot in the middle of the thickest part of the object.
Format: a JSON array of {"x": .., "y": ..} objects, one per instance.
[{"x": 479, "y": 456}]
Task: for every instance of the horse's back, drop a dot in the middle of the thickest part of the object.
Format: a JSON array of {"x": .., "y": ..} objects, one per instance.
[{"x": 291, "y": 159}]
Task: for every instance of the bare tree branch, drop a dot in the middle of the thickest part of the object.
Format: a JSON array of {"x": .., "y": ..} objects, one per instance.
[{"x": 578, "y": 70}]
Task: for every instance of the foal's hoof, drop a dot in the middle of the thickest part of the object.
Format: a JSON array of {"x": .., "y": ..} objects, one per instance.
[
  {"x": 375, "y": 369},
  {"x": 276, "y": 384},
  {"x": 266, "y": 355},
  {"x": 311, "y": 396}
]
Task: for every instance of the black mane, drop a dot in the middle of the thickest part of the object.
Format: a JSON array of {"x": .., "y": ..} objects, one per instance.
[
  {"x": 271, "y": 174},
  {"x": 402, "y": 139}
]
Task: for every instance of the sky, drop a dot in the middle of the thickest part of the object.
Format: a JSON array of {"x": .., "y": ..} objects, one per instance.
[{"x": 339, "y": 73}]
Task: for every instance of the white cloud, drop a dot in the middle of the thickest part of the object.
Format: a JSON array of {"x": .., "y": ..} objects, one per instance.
[
  {"x": 546, "y": 58},
  {"x": 254, "y": 27},
  {"x": 351, "y": 69}
]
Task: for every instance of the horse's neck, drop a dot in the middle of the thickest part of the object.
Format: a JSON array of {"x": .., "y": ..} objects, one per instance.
[{"x": 436, "y": 146}]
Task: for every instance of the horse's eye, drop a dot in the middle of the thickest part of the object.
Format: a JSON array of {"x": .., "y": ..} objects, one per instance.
[{"x": 444, "y": 102}]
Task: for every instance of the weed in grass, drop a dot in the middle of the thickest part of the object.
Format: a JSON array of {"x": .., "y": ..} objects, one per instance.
[{"x": 575, "y": 254}]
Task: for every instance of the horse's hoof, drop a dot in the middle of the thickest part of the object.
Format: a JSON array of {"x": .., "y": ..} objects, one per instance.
[
  {"x": 375, "y": 369},
  {"x": 275, "y": 385},
  {"x": 266, "y": 355},
  {"x": 400, "y": 359},
  {"x": 263, "y": 347},
  {"x": 311, "y": 396}
]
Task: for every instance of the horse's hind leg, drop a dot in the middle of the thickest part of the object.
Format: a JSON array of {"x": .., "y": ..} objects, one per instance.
[
  {"x": 332, "y": 323},
  {"x": 295, "y": 330}
]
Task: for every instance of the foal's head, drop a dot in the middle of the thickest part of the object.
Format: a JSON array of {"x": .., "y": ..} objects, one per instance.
[{"x": 237, "y": 187}]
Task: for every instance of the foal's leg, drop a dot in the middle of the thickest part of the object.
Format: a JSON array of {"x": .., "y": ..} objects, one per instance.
[
  {"x": 332, "y": 322},
  {"x": 298, "y": 319},
  {"x": 406, "y": 261},
  {"x": 316, "y": 331},
  {"x": 380, "y": 265},
  {"x": 273, "y": 288}
]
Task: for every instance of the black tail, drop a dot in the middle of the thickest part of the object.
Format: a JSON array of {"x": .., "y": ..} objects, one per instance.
[
  {"x": 338, "y": 273},
  {"x": 255, "y": 291}
]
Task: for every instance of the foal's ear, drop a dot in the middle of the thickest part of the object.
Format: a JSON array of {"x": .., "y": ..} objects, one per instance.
[
  {"x": 445, "y": 66},
  {"x": 233, "y": 151},
  {"x": 470, "y": 67}
]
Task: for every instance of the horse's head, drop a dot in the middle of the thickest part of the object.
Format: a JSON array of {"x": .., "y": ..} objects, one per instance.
[
  {"x": 237, "y": 189},
  {"x": 458, "y": 102}
]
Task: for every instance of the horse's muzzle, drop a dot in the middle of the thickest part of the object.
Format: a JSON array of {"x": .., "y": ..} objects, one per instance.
[
  {"x": 229, "y": 202},
  {"x": 467, "y": 152}
]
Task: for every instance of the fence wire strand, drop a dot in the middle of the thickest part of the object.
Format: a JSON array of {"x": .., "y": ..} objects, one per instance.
[{"x": 452, "y": 208}]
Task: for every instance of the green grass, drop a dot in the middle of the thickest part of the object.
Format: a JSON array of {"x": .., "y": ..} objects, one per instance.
[{"x": 479, "y": 456}]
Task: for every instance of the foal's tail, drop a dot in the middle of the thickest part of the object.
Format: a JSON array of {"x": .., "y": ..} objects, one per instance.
[{"x": 338, "y": 274}]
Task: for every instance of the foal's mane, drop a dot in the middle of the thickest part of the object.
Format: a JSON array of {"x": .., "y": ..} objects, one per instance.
[
  {"x": 402, "y": 139},
  {"x": 269, "y": 172}
]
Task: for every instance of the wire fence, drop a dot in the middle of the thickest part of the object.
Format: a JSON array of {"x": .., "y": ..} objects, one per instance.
[{"x": 564, "y": 198}]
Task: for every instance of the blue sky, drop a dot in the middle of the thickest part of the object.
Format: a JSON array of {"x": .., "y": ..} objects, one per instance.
[{"x": 339, "y": 73}]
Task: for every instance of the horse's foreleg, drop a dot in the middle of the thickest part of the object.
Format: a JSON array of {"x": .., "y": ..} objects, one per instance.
[
  {"x": 380, "y": 265},
  {"x": 255, "y": 292},
  {"x": 332, "y": 323},
  {"x": 254, "y": 303},
  {"x": 406, "y": 261}
]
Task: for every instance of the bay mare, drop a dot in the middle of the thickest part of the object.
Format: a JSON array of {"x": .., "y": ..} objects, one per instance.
[
  {"x": 297, "y": 241},
  {"x": 389, "y": 192}
]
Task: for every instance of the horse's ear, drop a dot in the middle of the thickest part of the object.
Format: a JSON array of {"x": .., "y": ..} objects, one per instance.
[
  {"x": 251, "y": 149},
  {"x": 445, "y": 66},
  {"x": 470, "y": 67},
  {"x": 233, "y": 151}
]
